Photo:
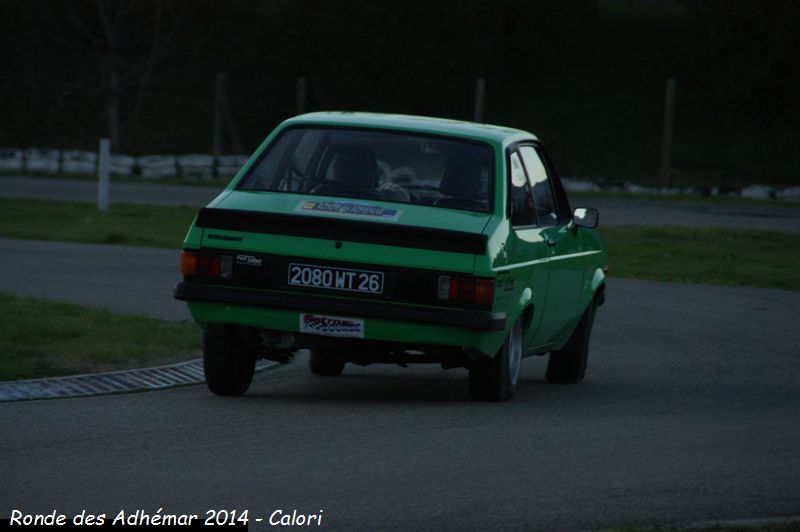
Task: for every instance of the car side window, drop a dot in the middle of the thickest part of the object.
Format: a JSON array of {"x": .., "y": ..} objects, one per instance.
[
  {"x": 520, "y": 198},
  {"x": 562, "y": 202},
  {"x": 542, "y": 190}
]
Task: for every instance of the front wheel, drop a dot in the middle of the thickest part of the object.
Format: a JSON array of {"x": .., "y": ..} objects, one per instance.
[
  {"x": 496, "y": 379},
  {"x": 228, "y": 365},
  {"x": 568, "y": 364}
]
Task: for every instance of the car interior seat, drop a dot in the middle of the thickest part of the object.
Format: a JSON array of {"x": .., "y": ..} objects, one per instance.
[
  {"x": 461, "y": 184},
  {"x": 351, "y": 171}
]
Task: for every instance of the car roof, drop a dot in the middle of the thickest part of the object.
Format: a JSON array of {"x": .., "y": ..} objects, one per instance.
[{"x": 411, "y": 123}]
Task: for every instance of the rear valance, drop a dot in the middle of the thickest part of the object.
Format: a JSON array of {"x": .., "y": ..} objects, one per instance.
[{"x": 348, "y": 230}]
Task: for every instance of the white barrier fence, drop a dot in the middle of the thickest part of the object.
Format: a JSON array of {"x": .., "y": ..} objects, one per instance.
[
  {"x": 196, "y": 166},
  {"x": 203, "y": 167}
]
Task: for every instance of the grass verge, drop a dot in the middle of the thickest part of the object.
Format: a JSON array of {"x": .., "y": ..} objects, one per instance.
[
  {"x": 715, "y": 200},
  {"x": 720, "y": 256},
  {"x": 698, "y": 255},
  {"x": 46, "y": 339},
  {"x": 136, "y": 225}
]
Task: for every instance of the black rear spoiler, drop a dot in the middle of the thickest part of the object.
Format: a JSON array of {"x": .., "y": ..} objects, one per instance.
[{"x": 347, "y": 230}]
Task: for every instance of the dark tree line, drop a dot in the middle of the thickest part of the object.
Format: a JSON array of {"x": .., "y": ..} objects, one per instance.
[
  {"x": 101, "y": 51},
  {"x": 143, "y": 71},
  {"x": 748, "y": 55}
]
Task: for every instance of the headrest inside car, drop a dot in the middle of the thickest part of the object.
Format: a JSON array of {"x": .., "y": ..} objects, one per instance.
[
  {"x": 461, "y": 178},
  {"x": 355, "y": 165}
]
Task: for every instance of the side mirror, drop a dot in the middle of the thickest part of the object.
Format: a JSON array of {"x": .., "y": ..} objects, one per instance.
[{"x": 587, "y": 217}]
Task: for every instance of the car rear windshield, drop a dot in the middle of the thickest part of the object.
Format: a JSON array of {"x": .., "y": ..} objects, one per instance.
[{"x": 377, "y": 165}]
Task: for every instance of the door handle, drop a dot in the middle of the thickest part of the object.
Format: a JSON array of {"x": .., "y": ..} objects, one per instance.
[{"x": 551, "y": 242}]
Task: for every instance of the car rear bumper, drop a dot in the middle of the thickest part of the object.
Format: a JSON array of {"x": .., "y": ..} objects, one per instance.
[{"x": 476, "y": 320}]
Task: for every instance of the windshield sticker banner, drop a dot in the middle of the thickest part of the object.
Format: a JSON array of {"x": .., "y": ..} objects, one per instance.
[
  {"x": 331, "y": 326},
  {"x": 360, "y": 210}
]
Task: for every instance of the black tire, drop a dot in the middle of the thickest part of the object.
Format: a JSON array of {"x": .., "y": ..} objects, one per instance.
[
  {"x": 568, "y": 364},
  {"x": 496, "y": 379},
  {"x": 227, "y": 364},
  {"x": 325, "y": 363}
]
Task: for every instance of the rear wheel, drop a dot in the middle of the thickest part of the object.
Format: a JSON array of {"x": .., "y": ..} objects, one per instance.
[
  {"x": 496, "y": 379},
  {"x": 325, "y": 363},
  {"x": 227, "y": 363},
  {"x": 568, "y": 364}
]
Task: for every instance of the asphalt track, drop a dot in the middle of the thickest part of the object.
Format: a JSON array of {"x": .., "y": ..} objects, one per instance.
[
  {"x": 689, "y": 413},
  {"x": 125, "y": 279},
  {"x": 613, "y": 211}
]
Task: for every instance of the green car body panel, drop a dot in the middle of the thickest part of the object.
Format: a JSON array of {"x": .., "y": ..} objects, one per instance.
[{"x": 545, "y": 276}]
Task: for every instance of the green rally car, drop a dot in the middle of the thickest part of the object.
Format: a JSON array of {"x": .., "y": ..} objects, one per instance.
[{"x": 398, "y": 239}]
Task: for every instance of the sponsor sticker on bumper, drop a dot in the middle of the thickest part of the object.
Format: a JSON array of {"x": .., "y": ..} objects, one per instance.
[{"x": 331, "y": 326}]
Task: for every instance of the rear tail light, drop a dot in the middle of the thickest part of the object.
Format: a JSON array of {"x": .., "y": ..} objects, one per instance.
[
  {"x": 469, "y": 290},
  {"x": 205, "y": 264}
]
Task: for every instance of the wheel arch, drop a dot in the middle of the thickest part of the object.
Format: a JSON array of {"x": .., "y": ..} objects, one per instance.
[
  {"x": 524, "y": 310},
  {"x": 600, "y": 295},
  {"x": 595, "y": 289}
]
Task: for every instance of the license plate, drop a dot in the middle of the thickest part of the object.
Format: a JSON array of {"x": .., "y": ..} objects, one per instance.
[{"x": 365, "y": 281}]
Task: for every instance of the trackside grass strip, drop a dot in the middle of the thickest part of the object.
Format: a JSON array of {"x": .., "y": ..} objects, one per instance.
[
  {"x": 722, "y": 256},
  {"x": 705, "y": 255},
  {"x": 686, "y": 198},
  {"x": 47, "y": 339},
  {"x": 134, "y": 225}
]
